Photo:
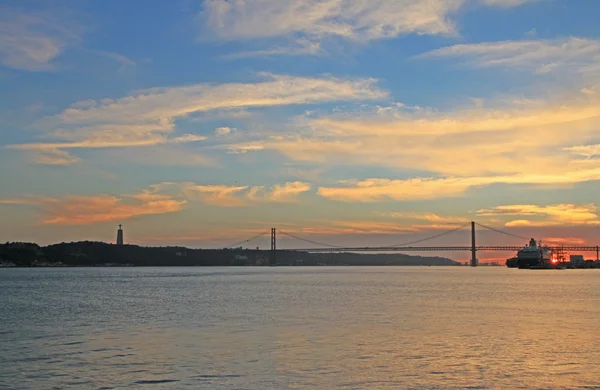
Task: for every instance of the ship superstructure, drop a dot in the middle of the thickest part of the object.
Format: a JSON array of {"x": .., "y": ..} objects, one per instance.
[{"x": 534, "y": 256}]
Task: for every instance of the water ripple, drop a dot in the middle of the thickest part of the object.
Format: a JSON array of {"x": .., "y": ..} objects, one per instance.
[
  {"x": 384, "y": 327},
  {"x": 154, "y": 381}
]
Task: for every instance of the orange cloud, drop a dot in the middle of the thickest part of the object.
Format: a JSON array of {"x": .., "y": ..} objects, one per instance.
[
  {"x": 219, "y": 195},
  {"x": 550, "y": 215},
  {"x": 85, "y": 210},
  {"x": 430, "y": 217},
  {"x": 287, "y": 192},
  {"x": 564, "y": 241},
  {"x": 478, "y": 141},
  {"x": 461, "y": 149},
  {"x": 232, "y": 196},
  {"x": 374, "y": 190},
  {"x": 377, "y": 190}
]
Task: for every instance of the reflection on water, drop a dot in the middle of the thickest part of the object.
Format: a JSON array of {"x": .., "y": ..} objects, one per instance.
[{"x": 260, "y": 328}]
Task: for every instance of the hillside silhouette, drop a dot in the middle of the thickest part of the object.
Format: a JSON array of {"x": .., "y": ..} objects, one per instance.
[{"x": 90, "y": 253}]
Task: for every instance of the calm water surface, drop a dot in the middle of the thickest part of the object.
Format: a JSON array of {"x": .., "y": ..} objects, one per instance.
[{"x": 277, "y": 328}]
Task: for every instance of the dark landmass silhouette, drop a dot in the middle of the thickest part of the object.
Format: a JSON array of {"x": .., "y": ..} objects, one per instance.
[{"x": 90, "y": 253}]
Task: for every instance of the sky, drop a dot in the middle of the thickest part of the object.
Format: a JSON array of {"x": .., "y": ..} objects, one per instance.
[{"x": 348, "y": 122}]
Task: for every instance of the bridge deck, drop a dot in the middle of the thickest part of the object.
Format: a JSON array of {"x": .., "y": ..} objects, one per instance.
[{"x": 438, "y": 249}]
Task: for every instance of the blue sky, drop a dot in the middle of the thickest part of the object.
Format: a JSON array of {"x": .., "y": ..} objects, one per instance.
[{"x": 202, "y": 122}]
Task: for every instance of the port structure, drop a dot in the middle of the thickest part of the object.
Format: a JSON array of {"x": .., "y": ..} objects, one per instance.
[{"x": 410, "y": 247}]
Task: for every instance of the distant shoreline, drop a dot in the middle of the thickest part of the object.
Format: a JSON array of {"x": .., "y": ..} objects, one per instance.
[
  {"x": 100, "y": 254},
  {"x": 230, "y": 266}
]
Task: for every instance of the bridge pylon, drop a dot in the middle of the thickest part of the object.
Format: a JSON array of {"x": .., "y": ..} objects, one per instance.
[
  {"x": 474, "y": 262},
  {"x": 273, "y": 253}
]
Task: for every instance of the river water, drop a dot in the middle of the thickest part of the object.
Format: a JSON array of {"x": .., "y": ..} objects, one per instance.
[{"x": 299, "y": 327}]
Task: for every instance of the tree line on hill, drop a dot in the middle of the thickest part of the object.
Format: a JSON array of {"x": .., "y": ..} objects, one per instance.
[{"x": 90, "y": 253}]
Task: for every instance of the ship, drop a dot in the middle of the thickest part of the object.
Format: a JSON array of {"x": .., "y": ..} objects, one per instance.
[
  {"x": 513, "y": 262},
  {"x": 534, "y": 256}
]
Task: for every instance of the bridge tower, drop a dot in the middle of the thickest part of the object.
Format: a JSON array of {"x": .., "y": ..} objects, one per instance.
[
  {"x": 474, "y": 261},
  {"x": 273, "y": 254}
]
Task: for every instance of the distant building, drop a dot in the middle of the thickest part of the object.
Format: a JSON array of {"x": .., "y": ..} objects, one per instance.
[
  {"x": 590, "y": 264},
  {"x": 120, "y": 236},
  {"x": 577, "y": 260}
]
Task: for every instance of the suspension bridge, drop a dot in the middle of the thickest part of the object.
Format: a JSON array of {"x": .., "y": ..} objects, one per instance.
[{"x": 411, "y": 246}]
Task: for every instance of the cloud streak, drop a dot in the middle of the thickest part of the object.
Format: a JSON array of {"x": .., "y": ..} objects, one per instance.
[
  {"x": 382, "y": 190},
  {"x": 32, "y": 40},
  {"x": 86, "y": 210},
  {"x": 297, "y": 48},
  {"x": 471, "y": 142},
  {"x": 506, "y": 3},
  {"x": 236, "y": 196},
  {"x": 429, "y": 217},
  {"x": 451, "y": 151},
  {"x": 160, "y": 198},
  {"x": 572, "y": 55},
  {"x": 351, "y": 19},
  {"x": 541, "y": 216},
  {"x": 148, "y": 117},
  {"x": 309, "y": 23}
]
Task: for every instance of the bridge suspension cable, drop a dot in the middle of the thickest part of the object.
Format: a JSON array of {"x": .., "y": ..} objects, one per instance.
[
  {"x": 431, "y": 237},
  {"x": 502, "y": 232},
  {"x": 309, "y": 241},
  {"x": 245, "y": 241}
]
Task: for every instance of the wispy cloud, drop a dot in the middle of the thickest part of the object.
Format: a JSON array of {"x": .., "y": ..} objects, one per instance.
[
  {"x": 457, "y": 150},
  {"x": 85, "y": 210},
  {"x": 244, "y": 148},
  {"x": 572, "y": 54},
  {"x": 587, "y": 151},
  {"x": 157, "y": 199},
  {"x": 351, "y": 19},
  {"x": 32, "y": 40},
  {"x": 377, "y": 190},
  {"x": 506, "y": 3},
  {"x": 53, "y": 153},
  {"x": 124, "y": 61},
  {"x": 287, "y": 192},
  {"x": 299, "y": 47},
  {"x": 381, "y": 190},
  {"x": 148, "y": 117},
  {"x": 550, "y": 215},
  {"x": 218, "y": 195},
  {"x": 564, "y": 241},
  {"x": 235, "y": 196},
  {"x": 308, "y": 23},
  {"x": 429, "y": 217},
  {"x": 52, "y": 156},
  {"x": 444, "y": 143},
  {"x": 223, "y": 131}
]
